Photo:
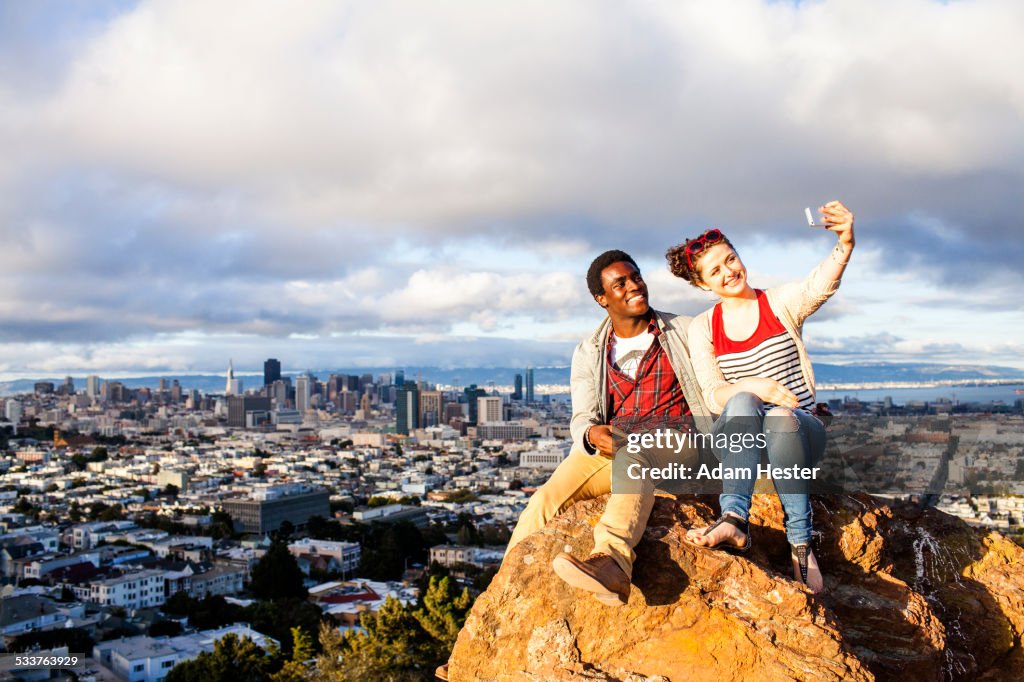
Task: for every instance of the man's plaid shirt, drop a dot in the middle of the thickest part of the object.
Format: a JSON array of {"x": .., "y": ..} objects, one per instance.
[{"x": 654, "y": 393}]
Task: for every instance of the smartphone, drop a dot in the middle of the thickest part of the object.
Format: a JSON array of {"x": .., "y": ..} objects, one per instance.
[{"x": 810, "y": 219}]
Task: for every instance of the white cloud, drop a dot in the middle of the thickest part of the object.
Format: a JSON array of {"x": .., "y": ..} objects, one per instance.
[{"x": 419, "y": 168}]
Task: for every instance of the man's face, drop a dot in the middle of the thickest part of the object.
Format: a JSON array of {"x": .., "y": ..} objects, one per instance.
[{"x": 625, "y": 292}]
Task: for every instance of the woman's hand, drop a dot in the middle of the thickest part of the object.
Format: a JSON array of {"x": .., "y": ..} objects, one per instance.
[
  {"x": 839, "y": 219},
  {"x": 770, "y": 391}
]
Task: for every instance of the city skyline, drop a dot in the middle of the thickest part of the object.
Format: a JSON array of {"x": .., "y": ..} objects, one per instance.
[{"x": 385, "y": 185}]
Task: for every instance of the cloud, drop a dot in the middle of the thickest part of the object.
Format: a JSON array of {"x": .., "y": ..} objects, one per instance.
[
  {"x": 185, "y": 353},
  {"x": 364, "y": 168}
]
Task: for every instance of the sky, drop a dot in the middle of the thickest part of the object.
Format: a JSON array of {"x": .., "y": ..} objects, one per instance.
[{"x": 372, "y": 184}]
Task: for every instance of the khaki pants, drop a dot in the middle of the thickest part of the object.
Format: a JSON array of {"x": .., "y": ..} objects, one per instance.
[{"x": 583, "y": 477}]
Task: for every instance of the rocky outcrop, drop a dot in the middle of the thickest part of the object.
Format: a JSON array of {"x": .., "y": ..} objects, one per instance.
[{"x": 911, "y": 595}]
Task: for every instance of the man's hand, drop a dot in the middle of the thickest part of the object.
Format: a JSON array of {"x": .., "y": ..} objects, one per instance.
[{"x": 603, "y": 440}]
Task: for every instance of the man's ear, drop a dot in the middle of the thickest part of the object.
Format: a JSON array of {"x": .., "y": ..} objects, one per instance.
[{"x": 601, "y": 300}]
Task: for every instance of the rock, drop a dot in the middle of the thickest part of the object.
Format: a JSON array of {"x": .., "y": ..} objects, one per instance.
[{"x": 911, "y": 595}]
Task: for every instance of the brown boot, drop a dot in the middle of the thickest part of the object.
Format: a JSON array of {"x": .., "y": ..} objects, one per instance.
[{"x": 599, "y": 574}]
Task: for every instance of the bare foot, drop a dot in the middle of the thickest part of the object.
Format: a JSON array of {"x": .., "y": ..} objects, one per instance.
[
  {"x": 726, "y": 533},
  {"x": 815, "y": 581}
]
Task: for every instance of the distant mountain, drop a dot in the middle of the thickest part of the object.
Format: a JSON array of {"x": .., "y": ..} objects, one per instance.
[
  {"x": 505, "y": 376},
  {"x": 910, "y": 373}
]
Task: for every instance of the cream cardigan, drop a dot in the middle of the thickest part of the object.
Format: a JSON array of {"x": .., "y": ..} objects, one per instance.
[{"x": 792, "y": 303}]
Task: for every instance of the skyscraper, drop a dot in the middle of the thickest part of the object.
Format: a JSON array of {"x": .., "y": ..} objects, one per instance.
[
  {"x": 13, "y": 411},
  {"x": 489, "y": 410},
  {"x": 529, "y": 384},
  {"x": 431, "y": 408},
  {"x": 302, "y": 393},
  {"x": 92, "y": 386},
  {"x": 407, "y": 408},
  {"x": 271, "y": 371},
  {"x": 233, "y": 385},
  {"x": 471, "y": 393},
  {"x": 517, "y": 394}
]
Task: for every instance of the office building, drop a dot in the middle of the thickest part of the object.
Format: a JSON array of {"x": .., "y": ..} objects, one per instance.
[
  {"x": 92, "y": 386},
  {"x": 471, "y": 393},
  {"x": 267, "y": 508},
  {"x": 248, "y": 411},
  {"x": 407, "y": 409},
  {"x": 67, "y": 388},
  {"x": 176, "y": 393},
  {"x": 302, "y": 393},
  {"x": 232, "y": 386},
  {"x": 529, "y": 385},
  {"x": 431, "y": 408},
  {"x": 13, "y": 411},
  {"x": 271, "y": 371},
  {"x": 517, "y": 394},
  {"x": 489, "y": 410},
  {"x": 346, "y": 555}
]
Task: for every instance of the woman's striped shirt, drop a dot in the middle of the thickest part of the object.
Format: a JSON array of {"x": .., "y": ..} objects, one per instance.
[{"x": 770, "y": 352}]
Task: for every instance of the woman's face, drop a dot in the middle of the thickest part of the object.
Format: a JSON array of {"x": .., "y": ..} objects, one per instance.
[{"x": 721, "y": 271}]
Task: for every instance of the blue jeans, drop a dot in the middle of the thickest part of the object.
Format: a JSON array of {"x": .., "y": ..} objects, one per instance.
[{"x": 791, "y": 437}]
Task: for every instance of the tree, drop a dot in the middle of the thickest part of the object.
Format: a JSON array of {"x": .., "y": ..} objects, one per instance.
[
  {"x": 277, "y": 575},
  {"x": 178, "y": 604},
  {"x": 113, "y": 513},
  {"x": 393, "y": 648},
  {"x": 232, "y": 660},
  {"x": 76, "y": 639},
  {"x": 294, "y": 670},
  {"x": 286, "y": 530},
  {"x": 165, "y": 628},
  {"x": 277, "y": 618},
  {"x": 442, "y": 615}
]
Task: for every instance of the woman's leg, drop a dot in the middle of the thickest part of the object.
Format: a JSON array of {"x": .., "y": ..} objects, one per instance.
[
  {"x": 794, "y": 438},
  {"x": 743, "y": 415}
]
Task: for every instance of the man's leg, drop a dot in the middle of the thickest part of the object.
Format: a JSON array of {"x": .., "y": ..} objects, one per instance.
[
  {"x": 579, "y": 477},
  {"x": 629, "y": 506},
  {"x": 608, "y": 571}
]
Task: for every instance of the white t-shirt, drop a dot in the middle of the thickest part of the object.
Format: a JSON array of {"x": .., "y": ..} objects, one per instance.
[{"x": 628, "y": 352}]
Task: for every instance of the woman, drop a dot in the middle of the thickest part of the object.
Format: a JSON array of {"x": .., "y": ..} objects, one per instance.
[{"x": 753, "y": 369}]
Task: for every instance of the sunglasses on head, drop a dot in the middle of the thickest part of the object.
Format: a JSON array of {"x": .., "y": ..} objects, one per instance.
[{"x": 705, "y": 241}]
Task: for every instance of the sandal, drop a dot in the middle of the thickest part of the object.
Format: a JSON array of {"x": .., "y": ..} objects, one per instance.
[
  {"x": 800, "y": 554},
  {"x": 739, "y": 524}
]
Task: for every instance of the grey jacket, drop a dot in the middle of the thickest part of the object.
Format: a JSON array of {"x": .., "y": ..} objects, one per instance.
[{"x": 589, "y": 385}]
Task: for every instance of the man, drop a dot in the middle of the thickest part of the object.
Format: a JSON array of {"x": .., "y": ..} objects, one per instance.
[{"x": 634, "y": 367}]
